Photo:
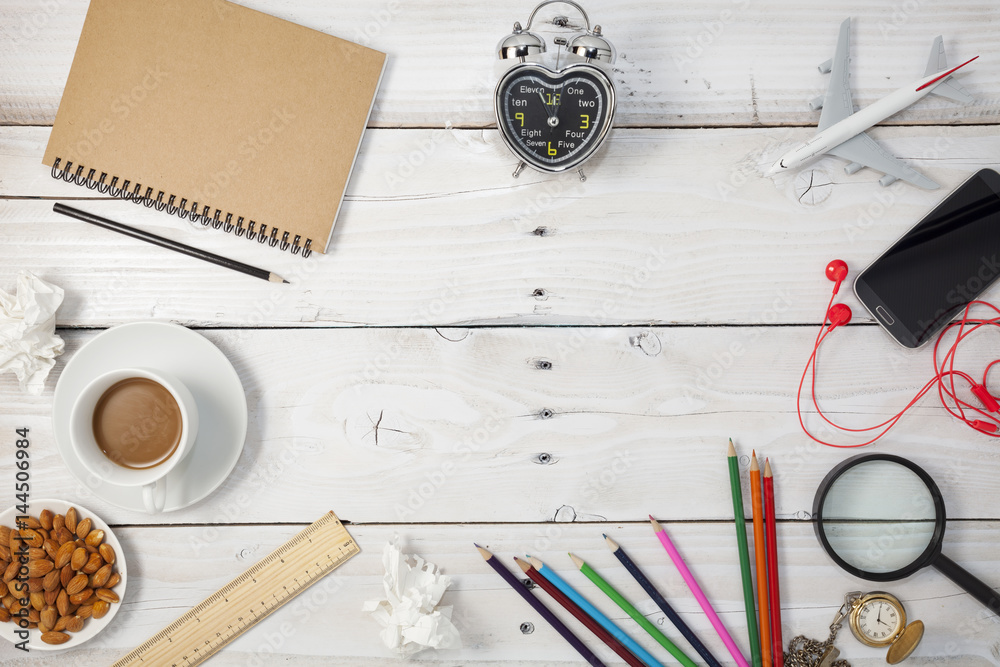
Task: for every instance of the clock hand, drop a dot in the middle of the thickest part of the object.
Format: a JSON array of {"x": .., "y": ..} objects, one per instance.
[{"x": 545, "y": 104}]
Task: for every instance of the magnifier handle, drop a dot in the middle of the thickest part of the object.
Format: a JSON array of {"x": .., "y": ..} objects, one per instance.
[{"x": 970, "y": 583}]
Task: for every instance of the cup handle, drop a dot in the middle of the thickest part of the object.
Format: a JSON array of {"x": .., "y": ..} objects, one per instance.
[{"x": 154, "y": 496}]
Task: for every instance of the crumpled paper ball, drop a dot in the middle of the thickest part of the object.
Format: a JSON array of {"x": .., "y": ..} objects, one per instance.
[
  {"x": 28, "y": 343},
  {"x": 409, "y": 614}
]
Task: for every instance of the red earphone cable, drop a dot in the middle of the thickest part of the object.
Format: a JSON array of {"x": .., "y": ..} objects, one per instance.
[{"x": 946, "y": 391}]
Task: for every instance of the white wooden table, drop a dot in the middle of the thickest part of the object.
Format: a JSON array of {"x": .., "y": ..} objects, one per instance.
[{"x": 599, "y": 340}]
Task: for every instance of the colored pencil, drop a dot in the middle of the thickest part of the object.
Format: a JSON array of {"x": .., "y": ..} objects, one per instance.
[
  {"x": 169, "y": 244},
  {"x": 627, "y": 607},
  {"x": 741, "y": 545},
  {"x": 699, "y": 595},
  {"x": 594, "y": 613},
  {"x": 580, "y": 614},
  {"x": 537, "y": 605},
  {"x": 773, "y": 595},
  {"x": 760, "y": 551},
  {"x": 662, "y": 603}
]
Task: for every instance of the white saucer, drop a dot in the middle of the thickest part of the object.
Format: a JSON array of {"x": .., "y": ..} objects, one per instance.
[{"x": 204, "y": 370}]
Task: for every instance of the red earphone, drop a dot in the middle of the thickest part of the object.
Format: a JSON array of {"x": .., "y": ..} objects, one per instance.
[{"x": 840, "y": 314}]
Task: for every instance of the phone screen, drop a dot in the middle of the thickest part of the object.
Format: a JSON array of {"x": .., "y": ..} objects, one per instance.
[{"x": 948, "y": 259}]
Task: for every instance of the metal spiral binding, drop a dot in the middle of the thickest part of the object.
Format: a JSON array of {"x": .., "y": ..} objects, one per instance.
[{"x": 134, "y": 192}]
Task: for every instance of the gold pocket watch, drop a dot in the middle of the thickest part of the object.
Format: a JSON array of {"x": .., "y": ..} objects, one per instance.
[{"x": 878, "y": 619}]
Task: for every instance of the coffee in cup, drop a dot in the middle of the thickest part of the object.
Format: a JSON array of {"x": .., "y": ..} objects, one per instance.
[
  {"x": 137, "y": 423},
  {"x": 131, "y": 427}
]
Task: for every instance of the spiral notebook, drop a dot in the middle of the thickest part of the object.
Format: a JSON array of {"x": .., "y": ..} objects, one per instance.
[{"x": 217, "y": 113}]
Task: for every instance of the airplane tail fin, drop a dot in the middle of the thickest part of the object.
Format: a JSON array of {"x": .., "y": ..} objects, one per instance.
[{"x": 937, "y": 62}]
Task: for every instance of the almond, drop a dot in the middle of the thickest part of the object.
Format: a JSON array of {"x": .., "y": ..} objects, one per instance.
[
  {"x": 31, "y": 537},
  {"x": 100, "y": 578},
  {"x": 113, "y": 580},
  {"x": 107, "y": 595},
  {"x": 39, "y": 568},
  {"x": 58, "y": 521},
  {"x": 76, "y": 584},
  {"x": 30, "y": 522},
  {"x": 63, "y": 535},
  {"x": 45, "y": 518},
  {"x": 51, "y": 548},
  {"x": 95, "y": 537},
  {"x": 94, "y": 564},
  {"x": 107, "y": 553},
  {"x": 86, "y": 611},
  {"x": 3, "y": 588},
  {"x": 37, "y": 601},
  {"x": 61, "y": 623},
  {"x": 101, "y": 607},
  {"x": 62, "y": 603},
  {"x": 83, "y": 528},
  {"x": 4, "y": 552},
  {"x": 74, "y": 624},
  {"x": 49, "y": 617},
  {"x": 71, "y": 519},
  {"x": 53, "y": 637},
  {"x": 64, "y": 555},
  {"x": 4, "y": 535},
  {"x": 4, "y": 615},
  {"x": 11, "y": 571},
  {"x": 79, "y": 558},
  {"x": 51, "y": 581},
  {"x": 34, "y": 585},
  {"x": 33, "y": 615},
  {"x": 52, "y": 596},
  {"x": 65, "y": 575},
  {"x": 82, "y": 597}
]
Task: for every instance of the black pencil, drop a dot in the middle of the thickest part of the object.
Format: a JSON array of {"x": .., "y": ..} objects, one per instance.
[
  {"x": 661, "y": 602},
  {"x": 167, "y": 243},
  {"x": 553, "y": 620}
]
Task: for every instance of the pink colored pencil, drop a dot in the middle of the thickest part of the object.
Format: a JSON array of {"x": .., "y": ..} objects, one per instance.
[{"x": 706, "y": 606}]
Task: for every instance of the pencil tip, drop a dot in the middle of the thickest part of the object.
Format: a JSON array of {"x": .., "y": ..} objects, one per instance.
[
  {"x": 754, "y": 465},
  {"x": 611, "y": 543},
  {"x": 483, "y": 552},
  {"x": 657, "y": 528},
  {"x": 576, "y": 561},
  {"x": 732, "y": 450},
  {"x": 521, "y": 564},
  {"x": 767, "y": 468},
  {"x": 285, "y": 281},
  {"x": 535, "y": 563}
]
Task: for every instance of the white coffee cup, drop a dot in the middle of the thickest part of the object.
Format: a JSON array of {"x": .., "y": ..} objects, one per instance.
[{"x": 152, "y": 480}]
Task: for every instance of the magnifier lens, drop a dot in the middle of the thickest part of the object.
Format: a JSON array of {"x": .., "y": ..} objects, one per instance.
[{"x": 879, "y": 516}]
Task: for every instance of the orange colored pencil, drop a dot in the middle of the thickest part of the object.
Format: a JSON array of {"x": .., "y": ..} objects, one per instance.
[
  {"x": 763, "y": 613},
  {"x": 773, "y": 595}
]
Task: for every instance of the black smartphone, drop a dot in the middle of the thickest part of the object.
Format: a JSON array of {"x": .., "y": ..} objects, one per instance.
[{"x": 926, "y": 279}]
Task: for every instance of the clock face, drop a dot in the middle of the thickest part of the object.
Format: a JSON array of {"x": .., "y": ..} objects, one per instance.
[
  {"x": 554, "y": 121},
  {"x": 879, "y": 621}
]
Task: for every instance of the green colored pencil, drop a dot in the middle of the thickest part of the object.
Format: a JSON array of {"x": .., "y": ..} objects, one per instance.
[
  {"x": 633, "y": 612},
  {"x": 741, "y": 542}
]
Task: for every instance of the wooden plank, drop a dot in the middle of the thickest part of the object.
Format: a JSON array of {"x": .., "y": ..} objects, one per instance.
[
  {"x": 671, "y": 227},
  {"x": 719, "y": 62},
  {"x": 408, "y": 425},
  {"x": 174, "y": 568}
]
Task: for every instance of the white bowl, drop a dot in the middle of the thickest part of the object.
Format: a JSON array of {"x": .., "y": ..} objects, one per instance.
[{"x": 92, "y": 626}]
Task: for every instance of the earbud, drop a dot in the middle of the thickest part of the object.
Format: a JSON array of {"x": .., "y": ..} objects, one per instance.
[
  {"x": 839, "y": 314},
  {"x": 836, "y": 271}
]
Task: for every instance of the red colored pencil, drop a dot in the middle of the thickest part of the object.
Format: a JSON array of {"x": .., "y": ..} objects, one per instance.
[
  {"x": 761, "y": 561},
  {"x": 580, "y": 614},
  {"x": 774, "y": 599}
]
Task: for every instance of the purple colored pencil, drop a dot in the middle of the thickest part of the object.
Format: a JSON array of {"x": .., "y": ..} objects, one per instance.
[{"x": 537, "y": 605}]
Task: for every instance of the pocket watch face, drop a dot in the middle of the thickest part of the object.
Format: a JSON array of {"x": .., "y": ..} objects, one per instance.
[
  {"x": 879, "y": 621},
  {"x": 554, "y": 121}
]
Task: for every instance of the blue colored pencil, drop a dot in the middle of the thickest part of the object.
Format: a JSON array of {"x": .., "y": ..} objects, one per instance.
[
  {"x": 661, "y": 602},
  {"x": 594, "y": 613}
]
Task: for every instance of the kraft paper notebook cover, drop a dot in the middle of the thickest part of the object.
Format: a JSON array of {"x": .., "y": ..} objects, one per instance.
[{"x": 216, "y": 112}]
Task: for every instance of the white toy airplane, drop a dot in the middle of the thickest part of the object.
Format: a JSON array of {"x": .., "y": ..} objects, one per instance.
[{"x": 841, "y": 131}]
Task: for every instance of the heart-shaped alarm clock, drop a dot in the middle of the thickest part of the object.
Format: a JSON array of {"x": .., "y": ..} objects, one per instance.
[{"x": 555, "y": 113}]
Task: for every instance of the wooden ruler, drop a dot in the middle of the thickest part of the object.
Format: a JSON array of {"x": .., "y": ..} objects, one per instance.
[{"x": 249, "y": 598}]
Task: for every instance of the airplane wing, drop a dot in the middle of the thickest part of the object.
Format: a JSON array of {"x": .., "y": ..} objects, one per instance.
[
  {"x": 838, "y": 105},
  {"x": 863, "y": 150}
]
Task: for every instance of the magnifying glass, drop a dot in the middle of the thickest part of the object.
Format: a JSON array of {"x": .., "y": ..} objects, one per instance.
[{"x": 881, "y": 518}]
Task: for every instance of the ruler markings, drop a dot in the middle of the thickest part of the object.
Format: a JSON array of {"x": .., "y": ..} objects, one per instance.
[{"x": 175, "y": 644}]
